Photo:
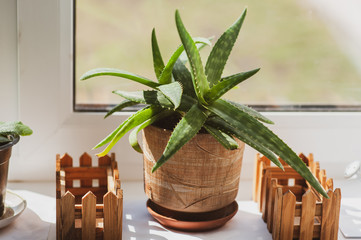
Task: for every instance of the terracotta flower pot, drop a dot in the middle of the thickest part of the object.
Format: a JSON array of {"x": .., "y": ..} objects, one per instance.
[
  {"x": 202, "y": 176},
  {"x": 5, "y": 153}
]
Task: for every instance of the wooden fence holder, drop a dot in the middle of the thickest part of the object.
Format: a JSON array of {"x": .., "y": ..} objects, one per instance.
[
  {"x": 89, "y": 199},
  {"x": 291, "y": 208}
]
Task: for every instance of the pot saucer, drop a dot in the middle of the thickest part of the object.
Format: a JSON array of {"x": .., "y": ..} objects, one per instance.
[
  {"x": 14, "y": 206},
  {"x": 192, "y": 222}
]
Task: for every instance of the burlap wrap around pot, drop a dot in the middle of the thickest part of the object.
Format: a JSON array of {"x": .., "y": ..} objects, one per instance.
[{"x": 202, "y": 176}]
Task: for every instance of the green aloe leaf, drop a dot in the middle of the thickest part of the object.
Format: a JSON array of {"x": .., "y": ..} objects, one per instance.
[
  {"x": 120, "y": 106},
  {"x": 185, "y": 130},
  {"x": 151, "y": 97},
  {"x": 157, "y": 57},
  {"x": 173, "y": 92},
  {"x": 223, "y": 138},
  {"x": 219, "y": 55},
  {"x": 133, "y": 139},
  {"x": 200, "y": 82},
  {"x": 251, "y": 112},
  {"x": 243, "y": 122},
  {"x": 166, "y": 76},
  {"x": 244, "y": 137},
  {"x": 131, "y": 122},
  {"x": 181, "y": 74},
  {"x": 200, "y": 45},
  {"x": 119, "y": 73},
  {"x": 226, "y": 84}
]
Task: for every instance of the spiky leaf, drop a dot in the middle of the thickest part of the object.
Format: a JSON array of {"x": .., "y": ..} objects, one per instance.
[
  {"x": 173, "y": 92},
  {"x": 200, "y": 82},
  {"x": 226, "y": 84},
  {"x": 242, "y": 121},
  {"x": 133, "y": 140},
  {"x": 244, "y": 137},
  {"x": 133, "y": 121},
  {"x": 119, "y": 73},
  {"x": 223, "y": 138},
  {"x": 200, "y": 45},
  {"x": 181, "y": 74},
  {"x": 120, "y": 106},
  {"x": 185, "y": 130},
  {"x": 157, "y": 57},
  {"x": 251, "y": 112},
  {"x": 151, "y": 97},
  {"x": 166, "y": 75},
  {"x": 219, "y": 55}
]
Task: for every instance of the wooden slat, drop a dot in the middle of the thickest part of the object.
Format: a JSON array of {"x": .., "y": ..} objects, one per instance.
[
  {"x": 79, "y": 210},
  {"x": 329, "y": 184},
  {"x": 84, "y": 173},
  {"x": 104, "y": 161},
  {"x": 277, "y": 215},
  {"x": 318, "y": 208},
  {"x": 110, "y": 178},
  {"x": 315, "y": 234},
  {"x": 85, "y": 161},
  {"x": 110, "y": 216},
  {"x": 307, "y": 216},
  {"x": 317, "y": 171},
  {"x": 57, "y": 165},
  {"x": 120, "y": 213},
  {"x": 58, "y": 219},
  {"x": 118, "y": 184},
  {"x": 66, "y": 162},
  {"x": 310, "y": 162},
  {"x": 88, "y": 216},
  {"x": 67, "y": 216},
  {"x": 270, "y": 204},
  {"x": 327, "y": 217},
  {"x": 323, "y": 178},
  {"x": 263, "y": 191},
  {"x": 259, "y": 187},
  {"x": 336, "y": 204},
  {"x": 288, "y": 215},
  {"x": 255, "y": 177}
]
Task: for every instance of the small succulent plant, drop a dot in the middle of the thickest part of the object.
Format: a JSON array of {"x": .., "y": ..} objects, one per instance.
[
  {"x": 194, "y": 97},
  {"x": 11, "y": 130}
]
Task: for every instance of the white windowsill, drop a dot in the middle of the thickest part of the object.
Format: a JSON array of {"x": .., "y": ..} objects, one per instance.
[{"x": 142, "y": 226}]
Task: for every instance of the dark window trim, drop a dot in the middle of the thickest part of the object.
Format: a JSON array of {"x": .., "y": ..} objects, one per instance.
[{"x": 261, "y": 108}]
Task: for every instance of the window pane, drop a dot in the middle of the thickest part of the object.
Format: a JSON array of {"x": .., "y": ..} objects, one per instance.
[{"x": 305, "y": 50}]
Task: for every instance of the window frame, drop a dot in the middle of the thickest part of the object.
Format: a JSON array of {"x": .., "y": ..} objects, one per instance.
[{"x": 44, "y": 58}]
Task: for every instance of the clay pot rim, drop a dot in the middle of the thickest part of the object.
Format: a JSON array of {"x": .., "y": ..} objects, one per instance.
[{"x": 15, "y": 140}]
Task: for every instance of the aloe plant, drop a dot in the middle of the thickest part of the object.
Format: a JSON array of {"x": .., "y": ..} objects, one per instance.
[
  {"x": 195, "y": 97},
  {"x": 11, "y": 130}
]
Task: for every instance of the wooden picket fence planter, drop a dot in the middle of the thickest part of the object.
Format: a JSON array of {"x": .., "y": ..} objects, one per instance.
[
  {"x": 291, "y": 208},
  {"x": 89, "y": 199}
]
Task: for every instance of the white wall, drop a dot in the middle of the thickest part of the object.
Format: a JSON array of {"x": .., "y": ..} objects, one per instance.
[{"x": 8, "y": 60}]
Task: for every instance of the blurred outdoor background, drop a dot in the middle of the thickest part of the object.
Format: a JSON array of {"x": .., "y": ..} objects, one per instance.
[{"x": 305, "y": 54}]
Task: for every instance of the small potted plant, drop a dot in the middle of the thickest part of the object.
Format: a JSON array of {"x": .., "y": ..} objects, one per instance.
[
  {"x": 192, "y": 138},
  {"x": 10, "y": 133}
]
